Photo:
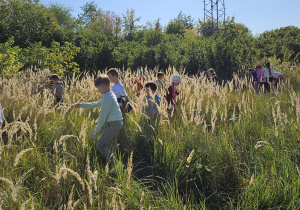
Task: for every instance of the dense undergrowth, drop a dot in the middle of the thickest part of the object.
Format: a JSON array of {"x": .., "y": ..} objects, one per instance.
[{"x": 227, "y": 147}]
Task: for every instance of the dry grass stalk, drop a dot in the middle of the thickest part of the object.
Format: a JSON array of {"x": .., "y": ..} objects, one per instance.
[
  {"x": 90, "y": 192},
  {"x": 55, "y": 147},
  {"x": 19, "y": 156},
  {"x": 142, "y": 201},
  {"x": 14, "y": 189},
  {"x": 24, "y": 205},
  {"x": 70, "y": 200},
  {"x": 122, "y": 205},
  {"x": 88, "y": 170},
  {"x": 160, "y": 141},
  {"x": 208, "y": 169},
  {"x": 114, "y": 202},
  {"x": 32, "y": 206},
  {"x": 63, "y": 138},
  {"x": 82, "y": 134},
  {"x": 298, "y": 170},
  {"x": 260, "y": 144},
  {"x": 189, "y": 158},
  {"x": 251, "y": 180},
  {"x": 95, "y": 177},
  {"x": 129, "y": 170},
  {"x": 137, "y": 125},
  {"x": 106, "y": 170},
  {"x": 74, "y": 174},
  {"x": 78, "y": 202}
]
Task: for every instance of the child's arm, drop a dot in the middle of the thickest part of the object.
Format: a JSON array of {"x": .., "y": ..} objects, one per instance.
[{"x": 90, "y": 105}]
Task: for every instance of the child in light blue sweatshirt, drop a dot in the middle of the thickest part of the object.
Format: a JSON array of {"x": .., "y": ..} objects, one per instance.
[
  {"x": 110, "y": 117},
  {"x": 153, "y": 100}
]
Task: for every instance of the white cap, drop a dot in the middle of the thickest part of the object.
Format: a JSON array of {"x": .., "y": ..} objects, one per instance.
[{"x": 176, "y": 78}]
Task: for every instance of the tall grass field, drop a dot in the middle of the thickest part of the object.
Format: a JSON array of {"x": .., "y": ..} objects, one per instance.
[{"x": 223, "y": 148}]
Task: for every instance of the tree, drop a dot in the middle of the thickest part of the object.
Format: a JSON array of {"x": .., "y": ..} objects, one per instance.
[
  {"x": 27, "y": 21},
  {"x": 89, "y": 13},
  {"x": 10, "y": 61},
  {"x": 60, "y": 59},
  {"x": 180, "y": 24},
  {"x": 129, "y": 24}
]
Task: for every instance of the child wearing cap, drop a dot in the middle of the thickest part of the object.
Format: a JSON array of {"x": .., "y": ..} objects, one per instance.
[
  {"x": 172, "y": 93},
  {"x": 152, "y": 99}
]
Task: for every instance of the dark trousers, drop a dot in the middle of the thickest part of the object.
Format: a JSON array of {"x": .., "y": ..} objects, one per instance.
[{"x": 58, "y": 100}]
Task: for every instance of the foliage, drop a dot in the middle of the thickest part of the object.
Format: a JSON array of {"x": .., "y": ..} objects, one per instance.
[
  {"x": 60, "y": 59},
  {"x": 107, "y": 40},
  {"x": 10, "y": 61},
  {"x": 28, "y": 21},
  {"x": 284, "y": 43}
]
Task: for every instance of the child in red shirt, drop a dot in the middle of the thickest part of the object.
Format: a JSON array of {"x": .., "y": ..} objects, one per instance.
[{"x": 172, "y": 93}]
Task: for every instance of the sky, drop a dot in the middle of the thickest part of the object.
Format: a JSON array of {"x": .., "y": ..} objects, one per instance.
[{"x": 257, "y": 15}]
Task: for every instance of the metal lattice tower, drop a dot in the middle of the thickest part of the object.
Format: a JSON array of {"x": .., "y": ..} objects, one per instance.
[{"x": 214, "y": 15}]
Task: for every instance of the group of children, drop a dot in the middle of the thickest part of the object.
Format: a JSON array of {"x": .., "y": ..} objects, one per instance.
[
  {"x": 265, "y": 78},
  {"x": 116, "y": 101}
]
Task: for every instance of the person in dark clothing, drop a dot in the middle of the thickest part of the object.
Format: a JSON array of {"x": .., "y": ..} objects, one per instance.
[
  {"x": 212, "y": 77},
  {"x": 254, "y": 81},
  {"x": 57, "y": 89}
]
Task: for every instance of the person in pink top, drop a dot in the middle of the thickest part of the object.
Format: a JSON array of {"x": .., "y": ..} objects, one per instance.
[
  {"x": 260, "y": 74},
  {"x": 172, "y": 93}
]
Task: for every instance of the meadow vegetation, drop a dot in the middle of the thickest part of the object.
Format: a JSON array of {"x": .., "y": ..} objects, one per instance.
[{"x": 223, "y": 148}]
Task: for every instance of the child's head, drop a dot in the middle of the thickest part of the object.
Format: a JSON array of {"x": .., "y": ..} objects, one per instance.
[
  {"x": 211, "y": 72},
  {"x": 267, "y": 64},
  {"x": 102, "y": 83},
  {"x": 258, "y": 66},
  {"x": 54, "y": 79},
  {"x": 150, "y": 86},
  {"x": 176, "y": 80},
  {"x": 160, "y": 75},
  {"x": 113, "y": 75},
  {"x": 250, "y": 70}
]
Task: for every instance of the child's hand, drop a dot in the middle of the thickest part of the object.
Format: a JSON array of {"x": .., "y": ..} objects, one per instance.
[
  {"x": 77, "y": 105},
  {"x": 94, "y": 134}
]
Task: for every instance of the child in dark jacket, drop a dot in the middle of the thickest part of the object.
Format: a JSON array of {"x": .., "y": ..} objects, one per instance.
[{"x": 57, "y": 89}]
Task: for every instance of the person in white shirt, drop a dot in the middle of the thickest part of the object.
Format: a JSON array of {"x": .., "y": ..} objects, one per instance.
[
  {"x": 119, "y": 90},
  {"x": 268, "y": 75}
]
